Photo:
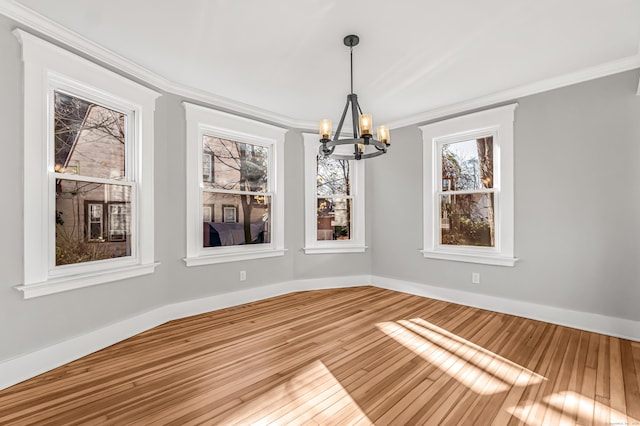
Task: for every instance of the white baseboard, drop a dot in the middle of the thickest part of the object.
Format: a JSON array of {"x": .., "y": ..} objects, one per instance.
[
  {"x": 612, "y": 326},
  {"x": 24, "y": 367}
]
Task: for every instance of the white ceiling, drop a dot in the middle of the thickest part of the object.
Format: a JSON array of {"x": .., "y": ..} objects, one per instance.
[{"x": 415, "y": 56}]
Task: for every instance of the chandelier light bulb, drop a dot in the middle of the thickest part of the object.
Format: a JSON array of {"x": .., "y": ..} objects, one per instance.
[
  {"x": 366, "y": 125},
  {"x": 325, "y": 129},
  {"x": 383, "y": 134}
]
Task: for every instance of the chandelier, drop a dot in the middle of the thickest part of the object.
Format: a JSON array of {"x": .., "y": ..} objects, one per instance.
[{"x": 364, "y": 145}]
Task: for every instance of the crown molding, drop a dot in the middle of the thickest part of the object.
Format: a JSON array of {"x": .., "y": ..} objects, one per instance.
[
  {"x": 64, "y": 37},
  {"x": 603, "y": 70}
]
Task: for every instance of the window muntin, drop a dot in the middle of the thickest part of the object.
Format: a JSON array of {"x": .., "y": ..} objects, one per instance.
[{"x": 466, "y": 200}]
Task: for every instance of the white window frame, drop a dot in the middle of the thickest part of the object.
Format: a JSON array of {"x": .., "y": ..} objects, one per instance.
[
  {"x": 48, "y": 68},
  {"x": 498, "y": 123},
  {"x": 312, "y": 245},
  {"x": 206, "y": 121}
]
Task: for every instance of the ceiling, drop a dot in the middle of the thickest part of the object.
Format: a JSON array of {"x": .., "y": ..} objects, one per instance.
[{"x": 415, "y": 56}]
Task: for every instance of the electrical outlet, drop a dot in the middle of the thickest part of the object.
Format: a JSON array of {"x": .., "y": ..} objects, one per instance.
[
  {"x": 475, "y": 277},
  {"x": 243, "y": 275}
]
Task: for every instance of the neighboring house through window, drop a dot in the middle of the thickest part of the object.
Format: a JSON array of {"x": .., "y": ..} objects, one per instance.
[
  {"x": 234, "y": 188},
  {"x": 334, "y": 202},
  {"x": 87, "y": 210},
  {"x": 468, "y": 182}
]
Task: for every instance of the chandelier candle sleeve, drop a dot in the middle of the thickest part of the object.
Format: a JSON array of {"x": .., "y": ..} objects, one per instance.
[
  {"x": 383, "y": 134},
  {"x": 325, "y": 129},
  {"x": 366, "y": 124}
]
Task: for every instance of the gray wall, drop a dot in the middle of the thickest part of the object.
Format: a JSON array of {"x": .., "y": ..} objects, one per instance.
[
  {"x": 576, "y": 210},
  {"x": 577, "y": 204},
  {"x": 28, "y": 325}
]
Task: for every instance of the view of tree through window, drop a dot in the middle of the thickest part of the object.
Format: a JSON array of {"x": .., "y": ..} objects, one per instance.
[
  {"x": 334, "y": 199},
  {"x": 236, "y": 197},
  {"x": 467, "y": 194},
  {"x": 93, "y": 197}
]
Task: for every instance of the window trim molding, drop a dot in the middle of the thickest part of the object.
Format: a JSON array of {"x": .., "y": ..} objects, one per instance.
[
  {"x": 312, "y": 244},
  {"x": 46, "y": 67},
  {"x": 200, "y": 121},
  {"x": 497, "y": 122}
]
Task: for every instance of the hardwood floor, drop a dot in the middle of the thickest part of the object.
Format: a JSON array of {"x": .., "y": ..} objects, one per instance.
[{"x": 347, "y": 356}]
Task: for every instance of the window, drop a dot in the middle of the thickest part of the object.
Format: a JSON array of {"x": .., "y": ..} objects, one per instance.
[
  {"x": 90, "y": 147},
  {"x": 206, "y": 167},
  {"x": 468, "y": 180},
  {"x": 235, "y": 188},
  {"x": 86, "y": 210},
  {"x": 334, "y": 202},
  {"x": 116, "y": 215},
  {"x": 95, "y": 227}
]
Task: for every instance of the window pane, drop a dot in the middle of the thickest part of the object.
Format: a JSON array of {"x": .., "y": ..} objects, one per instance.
[
  {"x": 334, "y": 219},
  {"x": 89, "y": 138},
  {"x": 333, "y": 176},
  {"x": 467, "y": 165},
  {"x": 236, "y": 165},
  {"x": 467, "y": 220},
  {"x": 92, "y": 221},
  {"x": 236, "y": 219}
]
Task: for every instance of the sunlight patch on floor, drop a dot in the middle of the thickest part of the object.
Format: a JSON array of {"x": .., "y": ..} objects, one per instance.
[
  {"x": 480, "y": 370},
  {"x": 575, "y": 405},
  {"x": 312, "y": 395},
  {"x": 508, "y": 371}
]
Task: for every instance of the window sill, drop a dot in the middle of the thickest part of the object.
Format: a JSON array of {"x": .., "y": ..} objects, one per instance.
[
  {"x": 334, "y": 249},
  {"x": 73, "y": 282},
  {"x": 232, "y": 257},
  {"x": 471, "y": 258}
]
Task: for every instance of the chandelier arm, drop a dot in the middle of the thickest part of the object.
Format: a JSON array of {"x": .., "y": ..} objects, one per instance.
[
  {"x": 358, "y": 107},
  {"x": 354, "y": 114},
  {"x": 344, "y": 114},
  {"x": 326, "y": 151},
  {"x": 355, "y": 141},
  {"x": 353, "y": 157}
]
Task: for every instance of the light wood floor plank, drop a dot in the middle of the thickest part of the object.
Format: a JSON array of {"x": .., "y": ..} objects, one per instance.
[{"x": 358, "y": 356}]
